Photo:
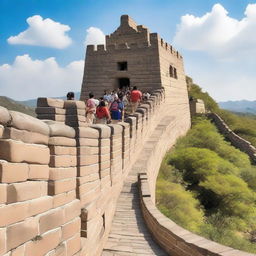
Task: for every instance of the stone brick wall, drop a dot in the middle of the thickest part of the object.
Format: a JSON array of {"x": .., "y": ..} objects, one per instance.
[
  {"x": 236, "y": 140},
  {"x": 174, "y": 239},
  {"x": 59, "y": 184},
  {"x": 147, "y": 56}
]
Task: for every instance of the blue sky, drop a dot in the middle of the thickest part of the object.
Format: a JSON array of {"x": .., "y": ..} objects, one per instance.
[{"x": 49, "y": 65}]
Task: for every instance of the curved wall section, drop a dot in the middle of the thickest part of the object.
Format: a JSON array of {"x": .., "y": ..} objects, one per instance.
[
  {"x": 235, "y": 139},
  {"x": 175, "y": 240}
]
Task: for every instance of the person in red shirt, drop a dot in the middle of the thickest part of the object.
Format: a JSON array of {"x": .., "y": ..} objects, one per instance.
[
  {"x": 102, "y": 113},
  {"x": 135, "y": 98}
]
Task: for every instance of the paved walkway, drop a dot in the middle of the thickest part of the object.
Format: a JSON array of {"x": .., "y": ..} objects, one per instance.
[{"x": 129, "y": 234}]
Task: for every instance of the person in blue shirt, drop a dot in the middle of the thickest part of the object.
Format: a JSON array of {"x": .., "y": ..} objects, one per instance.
[{"x": 116, "y": 109}]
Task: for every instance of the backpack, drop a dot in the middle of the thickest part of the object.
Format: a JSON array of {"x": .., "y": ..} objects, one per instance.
[{"x": 114, "y": 106}]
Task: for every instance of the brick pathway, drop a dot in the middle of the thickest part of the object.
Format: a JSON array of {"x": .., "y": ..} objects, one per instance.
[{"x": 129, "y": 235}]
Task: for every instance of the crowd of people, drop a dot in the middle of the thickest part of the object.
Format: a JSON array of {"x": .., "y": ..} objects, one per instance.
[{"x": 112, "y": 106}]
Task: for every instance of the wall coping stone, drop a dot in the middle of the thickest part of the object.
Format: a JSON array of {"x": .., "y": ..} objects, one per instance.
[
  {"x": 162, "y": 223},
  {"x": 25, "y": 122}
]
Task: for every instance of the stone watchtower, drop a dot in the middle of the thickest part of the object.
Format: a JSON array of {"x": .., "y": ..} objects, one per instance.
[{"x": 132, "y": 56}]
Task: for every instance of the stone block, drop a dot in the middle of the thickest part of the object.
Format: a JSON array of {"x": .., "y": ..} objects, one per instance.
[
  {"x": 87, "y": 159},
  {"x": 62, "y": 141},
  {"x": 86, "y": 187},
  {"x": 88, "y": 132},
  {"x": 50, "y": 110},
  {"x": 87, "y": 150},
  {"x": 25, "y": 122},
  {"x": 13, "y": 213},
  {"x": 88, "y": 142},
  {"x": 73, "y": 245},
  {"x": 76, "y": 104},
  {"x": 16, "y": 151},
  {"x": 71, "y": 228},
  {"x": 72, "y": 210},
  {"x": 43, "y": 244},
  {"x": 53, "y": 117},
  {"x": 88, "y": 178},
  {"x": 5, "y": 116},
  {"x": 60, "y": 129},
  {"x": 3, "y": 248},
  {"x": 18, "y": 251},
  {"x": 38, "y": 172},
  {"x": 60, "y": 250},
  {"x": 17, "y": 192},
  {"x": 62, "y": 173},
  {"x": 75, "y": 118},
  {"x": 51, "y": 220},
  {"x": 3, "y": 193},
  {"x": 64, "y": 198},
  {"x": 21, "y": 232},
  {"x": 25, "y": 136},
  {"x": 40, "y": 205},
  {"x": 49, "y": 102},
  {"x": 104, "y": 130},
  {"x": 60, "y": 186},
  {"x": 75, "y": 111},
  {"x": 87, "y": 169},
  {"x": 13, "y": 172},
  {"x": 60, "y": 150},
  {"x": 63, "y": 161}
]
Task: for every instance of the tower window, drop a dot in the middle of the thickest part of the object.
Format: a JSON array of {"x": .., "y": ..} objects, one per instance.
[
  {"x": 171, "y": 71},
  {"x": 122, "y": 65}
]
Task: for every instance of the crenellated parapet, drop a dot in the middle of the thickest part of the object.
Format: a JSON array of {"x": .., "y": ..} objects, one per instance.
[{"x": 59, "y": 183}]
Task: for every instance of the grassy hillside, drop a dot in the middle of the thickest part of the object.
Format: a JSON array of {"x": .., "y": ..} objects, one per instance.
[
  {"x": 212, "y": 181},
  {"x": 242, "y": 124},
  {"x": 14, "y": 105}
]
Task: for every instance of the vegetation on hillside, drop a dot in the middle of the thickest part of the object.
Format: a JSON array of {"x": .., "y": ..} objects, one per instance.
[
  {"x": 13, "y": 105},
  {"x": 243, "y": 125},
  {"x": 212, "y": 181}
]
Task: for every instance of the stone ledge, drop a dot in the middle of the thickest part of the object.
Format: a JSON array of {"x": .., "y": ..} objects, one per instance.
[{"x": 173, "y": 238}]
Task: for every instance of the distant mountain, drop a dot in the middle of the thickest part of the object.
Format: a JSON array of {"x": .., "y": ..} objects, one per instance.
[
  {"x": 32, "y": 102},
  {"x": 243, "y": 106},
  {"x": 16, "y": 106}
]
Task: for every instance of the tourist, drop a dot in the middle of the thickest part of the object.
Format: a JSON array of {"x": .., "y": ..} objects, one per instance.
[
  {"x": 102, "y": 113},
  {"x": 135, "y": 99},
  {"x": 90, "y": 109},
  {"x": 70, "y": 96},
  {"x": 145, "y": 96},
  {"x": 107, "y": 98},
  {"x": 116, "y": 110}
]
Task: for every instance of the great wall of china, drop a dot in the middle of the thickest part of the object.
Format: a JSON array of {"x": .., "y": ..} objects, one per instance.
[{"x": 70, "y": 189}]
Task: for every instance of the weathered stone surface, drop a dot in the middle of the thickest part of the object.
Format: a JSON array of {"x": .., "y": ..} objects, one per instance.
[
  {"x": 74, "y": 104},
  {"x": 13, "y": 172},
  {"x": 17, "y": 192},
  {"x": 62, "y": 141},
  {"x": 88, "y": 132},
  {"x": 49, "y": 102},
  {"x": 16, "y": 151},
  {"x": 5, "y": 116},
  {"x": 25, "y": 136},
  {"x": 46, "y": 243},
  {"x": 21, "y": 232},
  {"x": 25, "y": 122}
]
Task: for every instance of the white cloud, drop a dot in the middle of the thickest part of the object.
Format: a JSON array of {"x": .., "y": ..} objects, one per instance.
[
  {"x": 94, "y": 36},
  {"x": 43, "y": 32},
  {"x": 27, "y": 78},
  {"x": 219, "y": 34}
]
